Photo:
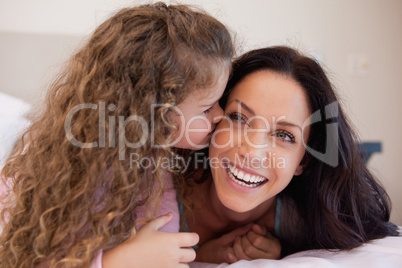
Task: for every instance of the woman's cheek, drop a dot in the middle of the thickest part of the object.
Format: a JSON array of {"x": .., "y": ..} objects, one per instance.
[{"x": 221, "y": 139}]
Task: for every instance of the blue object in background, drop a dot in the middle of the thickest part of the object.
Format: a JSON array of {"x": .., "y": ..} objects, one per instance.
[{"x": 369, "y": 148}]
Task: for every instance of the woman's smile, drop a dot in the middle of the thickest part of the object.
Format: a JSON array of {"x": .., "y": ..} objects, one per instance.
[{"x": 244, "y": 178}]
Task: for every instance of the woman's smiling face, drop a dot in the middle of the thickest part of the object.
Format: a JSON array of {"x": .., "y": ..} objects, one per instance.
[{"x": 259, "y": 145}]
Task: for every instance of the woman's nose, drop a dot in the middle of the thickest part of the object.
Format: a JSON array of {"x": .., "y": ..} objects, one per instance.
[{"x": 255, "y": 145}]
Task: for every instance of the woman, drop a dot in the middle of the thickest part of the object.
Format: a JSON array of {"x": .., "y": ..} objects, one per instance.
[{"x": 285, "y": 159}]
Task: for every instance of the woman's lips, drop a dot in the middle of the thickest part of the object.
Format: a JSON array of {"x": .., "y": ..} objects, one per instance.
[{"x": 243, "y": 177}]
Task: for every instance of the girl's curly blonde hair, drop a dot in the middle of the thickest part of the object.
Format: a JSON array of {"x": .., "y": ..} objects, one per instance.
[{"x": 68, "y": 202}]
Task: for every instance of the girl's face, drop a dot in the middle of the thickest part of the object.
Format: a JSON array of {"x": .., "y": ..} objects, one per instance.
[
  {"x": 258, "y": 147},
  {"x": 197, "y": 116}
]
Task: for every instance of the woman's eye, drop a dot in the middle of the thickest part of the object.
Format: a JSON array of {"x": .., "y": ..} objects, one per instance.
[
  {"x": 284, "y": 135},
  {"x": 237, "y": 117}
]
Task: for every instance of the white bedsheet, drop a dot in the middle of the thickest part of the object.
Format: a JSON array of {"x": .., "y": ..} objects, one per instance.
[{"x": 386, "y": 252}]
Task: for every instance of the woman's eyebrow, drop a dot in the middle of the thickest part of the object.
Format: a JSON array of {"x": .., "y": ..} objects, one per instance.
[
  {"x": 288, "y": 124},
  {"x": 280, "y": 122},
  {"x": 245, "y": 107}
]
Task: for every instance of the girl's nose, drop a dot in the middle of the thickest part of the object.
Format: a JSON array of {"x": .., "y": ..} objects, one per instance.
[{"x": 218, "y": 114}]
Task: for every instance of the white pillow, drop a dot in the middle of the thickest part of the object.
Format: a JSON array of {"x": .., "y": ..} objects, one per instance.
[
  {"x": 12, "y": 106},
  {"x": 12, "y": 123}
]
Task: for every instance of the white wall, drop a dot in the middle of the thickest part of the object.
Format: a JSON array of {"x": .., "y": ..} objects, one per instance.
[{"x": 359, "y": 41}]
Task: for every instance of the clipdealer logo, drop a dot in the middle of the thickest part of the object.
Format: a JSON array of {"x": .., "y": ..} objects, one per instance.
[{"x": 330, "y": 156}]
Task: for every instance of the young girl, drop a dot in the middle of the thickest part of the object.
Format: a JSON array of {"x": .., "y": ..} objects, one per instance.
[
  {"x": 286, "y": 172},
  {"x": 98, "y": 158}
]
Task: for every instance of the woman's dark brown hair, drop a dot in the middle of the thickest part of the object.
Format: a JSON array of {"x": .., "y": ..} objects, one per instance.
[{"x": 340, "y": 201}]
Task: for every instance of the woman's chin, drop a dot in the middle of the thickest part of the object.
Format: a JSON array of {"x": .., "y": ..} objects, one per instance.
[{"x": 238, "y": 205}]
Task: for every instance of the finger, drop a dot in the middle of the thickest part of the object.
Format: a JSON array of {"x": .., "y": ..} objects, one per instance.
[
  {"x": 238, "y": 250},
  {"x": 267, "y": 245},
  {"x": 159, "y": 222},
  {"x": 231, "y": 258},
  {"x": 259, "y": 229},
  {"x": 250, "y": 250},
  {"x": 187, "y": 255},
  {"x": 186, "y": 240},
  {"x": 230, "y": 237},
  {"x": 260, "y": 241}
]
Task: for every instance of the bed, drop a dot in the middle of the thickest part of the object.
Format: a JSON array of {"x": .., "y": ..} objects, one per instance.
[{"x": 386, "y": 252}]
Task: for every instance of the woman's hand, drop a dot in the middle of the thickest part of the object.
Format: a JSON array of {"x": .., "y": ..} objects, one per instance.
[
  {"x": 220, "y": 250},
  {"x": 258, "y": 243},
  {"x": 152, "y": 248}
]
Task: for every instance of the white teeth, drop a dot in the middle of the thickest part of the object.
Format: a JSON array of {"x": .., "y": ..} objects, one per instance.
[
  {"x": 240, "y": 182},
  {"x": 247, "y": 177},
  {"x": 240, "y": 177}
]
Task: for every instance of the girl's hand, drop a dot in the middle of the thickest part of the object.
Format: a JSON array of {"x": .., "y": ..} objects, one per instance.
[
  {"x": 220, "y": 250},
  {"x": 258, "y": 243},
  {"x": 152, "y": 248}
]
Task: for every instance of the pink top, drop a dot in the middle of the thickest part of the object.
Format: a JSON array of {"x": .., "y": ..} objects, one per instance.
[{"x": 168, "y": 204}]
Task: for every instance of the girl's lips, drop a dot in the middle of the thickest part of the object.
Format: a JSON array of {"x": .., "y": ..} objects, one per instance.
[{"x": 212, "y": 132}]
